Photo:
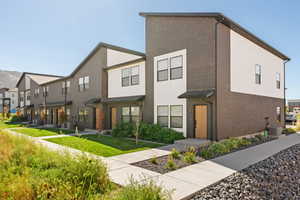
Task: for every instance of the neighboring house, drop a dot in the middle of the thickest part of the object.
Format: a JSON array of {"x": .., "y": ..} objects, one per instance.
[
  {"x": 8, "y": 100},
  {"x": 202, "y": 74},
  {"x": 294, "y": 105},
  {"x": 29, "y": 86}
]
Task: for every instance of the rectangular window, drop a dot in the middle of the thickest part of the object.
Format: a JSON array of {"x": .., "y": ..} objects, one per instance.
[
  {"x": 135, "y": 75},
  {"x": 65, "y": 87},
  {"x": 278, "y": 80},
  {"x": 81, "y": 85},
  {"x": 36, "y": 92},
  {"x": 278, "y": 114},
  {"x": 45, "y": 91},
  {"x": 176, "y": 68},
  {"x": 126, "y": 114},
  {"x": 130, "y": 76},
  {"x": 86, "y": 82},
  {"x": 162, "y": 70},
  {"x": 176, "y": 116},
  {"x": 163, "y": 116},
  {"x": 135, "y": 113},
  {"x": 126, "y": 74},
  {"x": 258, "y": 74}
]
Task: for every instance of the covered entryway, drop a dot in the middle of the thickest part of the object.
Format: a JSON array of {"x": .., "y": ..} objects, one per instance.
[{"x": 201, "y": 126}]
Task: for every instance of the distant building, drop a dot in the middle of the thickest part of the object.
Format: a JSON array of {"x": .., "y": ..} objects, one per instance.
[
  {"x": 294, "y": 105},
  {"x": 8, "y": 99}
]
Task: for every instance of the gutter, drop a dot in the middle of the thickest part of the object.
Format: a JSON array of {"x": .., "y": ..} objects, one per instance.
[
  {"x": 284, "y": 93},
  {"x": 215, "y": 135}
]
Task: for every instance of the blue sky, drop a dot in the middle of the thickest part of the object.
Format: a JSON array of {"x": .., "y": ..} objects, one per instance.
[{"x": 54, "y": 36}]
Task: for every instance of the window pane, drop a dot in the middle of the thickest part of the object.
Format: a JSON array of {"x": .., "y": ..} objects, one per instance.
[
  {"x": 176, "y": 122},
  {"x": 135, "y": 110},
  {"x": 162, "y": 64},
  {"x": 278, "y": 113},
  {"x": 135, "y": 118},
  {"x": 278, "y": 76},
  {"x": 176, "y": 110},
  {"x": 126, "y": 118},
  {"x": 125, "y": 81},
  {"x": 135, "y": 80},
  {"x": 126, "y": 72},
  {"x": 257, "y": 79},
  {"x": 135, "y": 70},
  {"x": 176, "y": 73},
  {"x": 257, "y": 69},
  {"x": 162, "y": 110},
  {"x": 163, "y": 121},
  {"x": 86, "y": 79},
  {"x": 176, "y": 61},
  {"x": 125, "y": 111},
  {"x": 68, "y": 83},
  {"x": 80, "y": 80},
  {"x": 162, "y": 75}
]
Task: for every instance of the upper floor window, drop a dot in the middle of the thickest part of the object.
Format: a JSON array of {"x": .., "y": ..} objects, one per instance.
[
  {"x": 278, "y": 80},
  {"x": 258, "y": 74},
  {"x": 36, "y": 92},
  {"x": 12, "y": 95},
  {"x": 21, "y": 96},
  {"x": 176, "y": 67},
  {"x": 162, "y": 70},
  {"x": 45, "y": 91},
  {"x": 65, "y": 87},
  {"x": 28, "y": 95},
  {"x": 130, "y": 76},
  {"x": 84, "y": 83}
]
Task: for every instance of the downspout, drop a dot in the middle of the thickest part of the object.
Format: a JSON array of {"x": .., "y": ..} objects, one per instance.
[
  {"x": 284, "y": 93},
  {"x": 219, "y": 20}
]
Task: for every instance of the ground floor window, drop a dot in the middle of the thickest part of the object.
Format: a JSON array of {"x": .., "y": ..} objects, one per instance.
[
  {"x": 130, "y": 113},
  {"x": 278, "y": 114},
  {"x": 176, "y": 116},
  {"x": 83, "y": 114},
  {"x": 163, "y": 115},
  {"x": 172, "y": 112}
]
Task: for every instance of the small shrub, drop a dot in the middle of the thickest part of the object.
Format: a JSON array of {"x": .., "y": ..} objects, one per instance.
[
  {"x": 189, "y": 157},
  {"x": 171, "y": 163},
  {"x": 153, "y": 160},
  {"x": 124, "y": 129},
  {"x": 16, "y": 118},
  {"x": 206, "y": 154},
  {"x": 146, "y": 190},
  {"x": 259, "y": 137},
  {"x": 175, "y": 154}
]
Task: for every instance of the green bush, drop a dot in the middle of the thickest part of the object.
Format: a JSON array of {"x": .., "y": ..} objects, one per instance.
[
  {"x": 171, "y": 163},
  {"x": 16, "y": 118},
  {"x": 152, "y": 132}
]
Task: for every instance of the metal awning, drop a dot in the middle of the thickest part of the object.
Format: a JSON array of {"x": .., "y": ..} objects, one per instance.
[
  {"x": 93, "y": 101},
  {"x": 124, "y": 99},
  {"x": 198, "y": 93},
  {"x": 57, "y": 103}
]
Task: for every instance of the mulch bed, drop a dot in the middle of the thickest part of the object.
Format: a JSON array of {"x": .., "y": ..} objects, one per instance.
[
  {"x": 160, "y": 167},
  {"x": 277, "y": 177}
]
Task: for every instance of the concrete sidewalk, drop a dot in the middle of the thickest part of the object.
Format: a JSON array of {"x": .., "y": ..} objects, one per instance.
[{"x": 186, "y": 181}]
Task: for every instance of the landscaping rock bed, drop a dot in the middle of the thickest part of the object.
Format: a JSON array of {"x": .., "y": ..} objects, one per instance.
[
  {"x": 277, "y": 177},
  {"x": 203, "y": 153},
  {"x": 160, "y": 167}
]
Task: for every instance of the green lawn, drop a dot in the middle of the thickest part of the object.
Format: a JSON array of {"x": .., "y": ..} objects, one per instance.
[
  {"x": 103, "y": 145},
  {"x": 38, "y": 132},
  {"x": 7, "y": 124}
]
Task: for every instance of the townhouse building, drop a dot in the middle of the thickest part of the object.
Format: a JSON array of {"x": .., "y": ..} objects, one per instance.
[
  {"x": 29, "y": 86},
  {"x": 201, "y": 74},
  {"x": 8, "y": 100}
]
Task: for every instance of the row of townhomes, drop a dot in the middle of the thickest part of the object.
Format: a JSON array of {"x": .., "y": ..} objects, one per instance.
[
  {"x": 201, "y": 74},
  {"x": 8, "y": 100}
]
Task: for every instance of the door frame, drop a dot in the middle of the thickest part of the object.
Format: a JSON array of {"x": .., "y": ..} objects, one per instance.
[{"x": 209, "y": 119}]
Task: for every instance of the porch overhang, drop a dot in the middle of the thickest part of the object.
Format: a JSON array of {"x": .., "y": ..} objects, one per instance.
[
  {"x": 57, "y": 103},
  {"x": 197, "y": 94},
  {"x": 124, "y": 99},
  {"x": 92, "y": 101}
]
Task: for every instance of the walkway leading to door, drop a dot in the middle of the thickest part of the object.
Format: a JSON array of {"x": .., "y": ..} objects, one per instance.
[{"x": 188, "y": 180}]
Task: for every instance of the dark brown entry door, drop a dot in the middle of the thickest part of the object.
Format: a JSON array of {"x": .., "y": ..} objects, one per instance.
[
  {"x": 201, "y": 121},
  {"x": 113, "y": 117}
]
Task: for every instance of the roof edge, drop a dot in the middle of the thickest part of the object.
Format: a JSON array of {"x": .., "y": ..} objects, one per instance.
[
  {"x": 125, "y": 63},
  {"x": 31, "y": 73}
]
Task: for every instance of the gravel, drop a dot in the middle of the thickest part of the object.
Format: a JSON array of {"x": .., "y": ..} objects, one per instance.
[{"x": 277, "y": 177}]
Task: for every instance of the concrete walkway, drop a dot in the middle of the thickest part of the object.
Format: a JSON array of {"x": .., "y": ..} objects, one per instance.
[{"x": 186, "y": 181}]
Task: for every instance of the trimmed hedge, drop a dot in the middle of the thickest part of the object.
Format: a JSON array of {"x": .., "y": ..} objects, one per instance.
[{"x": 152, "y": 132}]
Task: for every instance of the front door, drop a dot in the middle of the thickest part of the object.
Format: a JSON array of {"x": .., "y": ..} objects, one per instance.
[
  {"x": 201, "y": 121},
  {"x": 113, "y": 117}
]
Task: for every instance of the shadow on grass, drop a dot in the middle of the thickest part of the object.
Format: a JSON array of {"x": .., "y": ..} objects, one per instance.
[{"x": 119, "y": 143}]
